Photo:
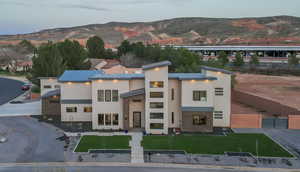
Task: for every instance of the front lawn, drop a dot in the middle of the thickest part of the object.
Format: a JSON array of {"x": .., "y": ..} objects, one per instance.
[
  {"x": 199, "y": 144},
  {"x": 103, "y": 142}
]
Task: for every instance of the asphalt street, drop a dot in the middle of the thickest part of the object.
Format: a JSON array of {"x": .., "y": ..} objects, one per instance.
[
  {"x": 9, "y": 89},
  {"x": 114, "y": 169}
]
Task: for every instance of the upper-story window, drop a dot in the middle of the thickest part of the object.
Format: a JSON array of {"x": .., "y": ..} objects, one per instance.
[
  {"x": 155, "y": 115},
  {"x": 199, "y": 95},
  {"x": 156, "y": 95},
  {"x": 115, "y": 95},
  {"x": 172, "y": 93},
  {"x": 71, "y": 109},
  {"x": 219, "y": 91},
  {"x": 57, "y": 86},
  {"x": 47, "y": 86},
  {"x": 108, "y": 95},
  {"x": 87, "y": 109},
  {"x": 100, "y": 95},
  {"x": 156, "y": 105},
  {"x": 156, "y": 84}
]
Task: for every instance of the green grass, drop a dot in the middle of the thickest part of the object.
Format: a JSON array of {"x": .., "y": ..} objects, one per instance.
[
  {"x": 102, "y": 142},
  {"x": 198, "y": 144}
]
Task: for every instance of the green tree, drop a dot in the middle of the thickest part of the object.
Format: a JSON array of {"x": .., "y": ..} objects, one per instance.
[
  {"x": 27, "y": 45},
  {"x": 293, "y": 60},
  {"x": 239, "y": 60},
  {"x": 74, "y": 55},
  {"x": 254, "y": 61},
  {"x": 48, "y": 62},
  {"x": 95, "y": 46},
  {"x": 124, "y": 48},
  {"x": 223, "y": 58}
]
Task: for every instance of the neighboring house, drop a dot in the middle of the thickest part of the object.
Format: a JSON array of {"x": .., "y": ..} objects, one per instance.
[
  {"x": 118, "y": 69},
  {"x": 98, "y": 64},
  {"x": 155, "y": 100}
]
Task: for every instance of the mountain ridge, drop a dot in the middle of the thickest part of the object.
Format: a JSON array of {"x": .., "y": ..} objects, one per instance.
[{"x": 274, "y": 30}]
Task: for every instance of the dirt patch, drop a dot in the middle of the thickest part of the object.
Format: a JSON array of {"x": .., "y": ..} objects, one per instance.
[{"x": 282, "y": 89}]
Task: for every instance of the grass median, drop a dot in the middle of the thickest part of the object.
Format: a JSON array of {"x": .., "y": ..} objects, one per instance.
[
  {"x": 199, "y": 144},
  {"x": 102, "y": 142}
]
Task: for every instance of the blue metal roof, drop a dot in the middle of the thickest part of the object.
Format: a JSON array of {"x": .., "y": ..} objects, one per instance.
[
  {"x": 197, "y": 109},
  {"x": 118, "y": 76},
  {"x": 78, "y": 75},
  {"x": 217, "y": 70},
  {"x": 240, "y": 48},
  {"x": 158, "y": 64},
  {"x": 190, "y": 76}
]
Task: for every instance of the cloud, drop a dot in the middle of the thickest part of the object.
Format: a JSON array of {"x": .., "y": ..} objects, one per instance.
[{"x": 81, "y": 6}]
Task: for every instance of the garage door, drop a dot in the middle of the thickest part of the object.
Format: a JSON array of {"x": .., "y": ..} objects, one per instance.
[{"x": 279, "y": 123}]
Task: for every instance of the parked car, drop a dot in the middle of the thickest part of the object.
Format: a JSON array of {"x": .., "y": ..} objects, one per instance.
[
  {"x": 3, "y": 139},
  {"x": 26, "y": 87},
  {"x": 16, "y": 102}
]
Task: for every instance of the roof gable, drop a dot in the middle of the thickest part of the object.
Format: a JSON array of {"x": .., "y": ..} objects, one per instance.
[{"x": 78, "y": 75}]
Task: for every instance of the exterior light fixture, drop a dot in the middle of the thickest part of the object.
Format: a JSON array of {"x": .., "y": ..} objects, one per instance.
[
  {"x": 69, "y": 83},
  {"x": 156, "y": 69},
  {"x": 206, "y": 80},
  {"x": 100, "y": 81},
  {"x": 192, "y": 81},
  {"x": 115, "y": 80},
  {"x": 87, "y": 83},
  {"x": 219, "y": 73}
]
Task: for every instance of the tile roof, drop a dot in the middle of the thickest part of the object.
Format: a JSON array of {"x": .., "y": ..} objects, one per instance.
[
  {"x": 78, "y": 75},
  {"x": 158, "y": 64}
]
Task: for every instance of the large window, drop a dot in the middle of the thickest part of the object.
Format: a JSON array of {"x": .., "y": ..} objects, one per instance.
[
  {"x": 199, "y": 96},
  {"x": 71, "y": 109},
  {"x": 156, "y": 126},
  {"x": 87, "y": 109},
  {"x": 156, "y": 105},
  {"x": 156, "y": 115},
  {"x": 219, "y": 91},
  {"x": 115, "y": 119},
  {"x": 156, "y": 84},
  {"x": 100, "y": 119},
  {"x": 156, "y": 94},
  {"x": 47, "y": 86},
  {"x": 107, "y": 119},
  {"x": 115, "y": 95},
  {"x": 218, "y": 114},
  {"x": 172, "y": 94},
  {"x": 100, "y": 95},
  {"x": 199, "y": 120},
  {"x": 108, "y": 95}
]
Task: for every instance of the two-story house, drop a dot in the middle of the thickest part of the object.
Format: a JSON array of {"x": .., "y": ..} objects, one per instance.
[{"x": 155, "y": 100}]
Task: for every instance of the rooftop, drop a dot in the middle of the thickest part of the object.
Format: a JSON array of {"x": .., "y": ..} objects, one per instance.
[
  {"x": 78, "y": 75},
  {"x": 241, "y": 48},
  {"x": 217, "y": 70},
  {"x": 158, "y": 64}
]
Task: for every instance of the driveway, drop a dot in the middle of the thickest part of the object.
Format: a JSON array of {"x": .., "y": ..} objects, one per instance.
[
  {"x": 24, "y": 109},
  {"x": 9, "y": 89},
  {"x": 290, "y": 139},
  {"x": 30, "y": 141}
]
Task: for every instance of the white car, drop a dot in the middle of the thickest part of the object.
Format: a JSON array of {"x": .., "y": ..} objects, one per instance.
[{"x": 3, "y": 139}]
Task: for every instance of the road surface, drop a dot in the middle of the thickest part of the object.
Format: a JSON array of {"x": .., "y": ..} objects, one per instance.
[
  {"x": 116, "y": 169},
  {"x": 9, "y": 89}
]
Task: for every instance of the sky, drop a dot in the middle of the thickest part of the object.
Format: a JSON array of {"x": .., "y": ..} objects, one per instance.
[{"x": 25, "y": 16}]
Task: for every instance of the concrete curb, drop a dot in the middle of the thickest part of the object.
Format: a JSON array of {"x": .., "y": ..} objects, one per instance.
[{"x": 146, "y": 165}]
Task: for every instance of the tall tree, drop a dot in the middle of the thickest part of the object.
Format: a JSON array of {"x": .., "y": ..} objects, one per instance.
[
  {"x": 48, "y": 62},
  {"x": 124, "y": 48},
  {"x": 254, "y": 60},
  {"x": 223, "y": 58},
  {"x": 74, "y": 55},
  {"x": 27, "y": 45},
  {"x": 239, "y": 60},
  {"x": 293, "y": 60},
  {"x": 95, "y": 46}
]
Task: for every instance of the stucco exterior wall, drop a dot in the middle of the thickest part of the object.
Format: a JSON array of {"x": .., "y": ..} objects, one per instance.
[
  {"x": 294, "y": 122},
  {"x": 108, "y": 107},
  {"x": 136, "y": 84},
  {"x": 79, "y": 116},
  {"x": 48, "y": 81},
  {"x": 76, "y": 91},
  {"x": 175, "y": 105},
  {"x": 246, "y": 121},
  {"x": 222, "y": 103},
  {"x": 156, "y": 74},
  {"x": 187, "y": 88}
]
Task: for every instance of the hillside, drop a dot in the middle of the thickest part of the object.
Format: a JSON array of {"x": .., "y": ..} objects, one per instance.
[{"x": 279, "y": 30}]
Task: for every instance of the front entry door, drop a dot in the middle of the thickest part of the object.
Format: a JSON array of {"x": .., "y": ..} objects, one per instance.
[{"x": 136, "y": 119}]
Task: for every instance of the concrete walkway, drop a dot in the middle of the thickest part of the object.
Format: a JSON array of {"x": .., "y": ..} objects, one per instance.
[
  {"x": 137, "y": 151},
  {"x": 24, "y": 109}
]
